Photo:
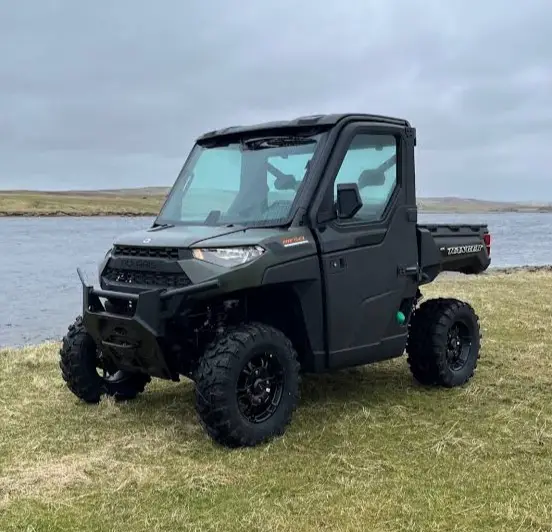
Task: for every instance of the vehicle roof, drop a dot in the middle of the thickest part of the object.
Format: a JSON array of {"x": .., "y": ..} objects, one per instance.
[{"x": 304, "y": 121}]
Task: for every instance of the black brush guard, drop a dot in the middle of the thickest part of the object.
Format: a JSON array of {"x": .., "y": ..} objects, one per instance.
[{"x": 136, "y": 341}]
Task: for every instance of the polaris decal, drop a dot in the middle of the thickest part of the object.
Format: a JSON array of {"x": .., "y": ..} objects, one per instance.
[
  {"x": 461, "y": 250},
  {"x": 294, "y": 241}
]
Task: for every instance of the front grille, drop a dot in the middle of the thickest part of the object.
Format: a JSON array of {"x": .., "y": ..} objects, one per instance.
[
  {"x": 150, "y": 279},
  {"x": 136, "y": 251}
]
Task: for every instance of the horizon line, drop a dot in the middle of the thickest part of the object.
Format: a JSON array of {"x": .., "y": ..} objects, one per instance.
[{"x": 168, "y": 187}]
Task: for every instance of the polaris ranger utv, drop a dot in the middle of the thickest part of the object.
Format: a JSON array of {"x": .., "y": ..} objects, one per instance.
[{"x": 282, "y": 248}]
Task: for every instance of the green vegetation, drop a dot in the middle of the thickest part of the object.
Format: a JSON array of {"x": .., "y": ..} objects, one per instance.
[
  {"x": 147, "y": 201},
  {"x": 368, "y": 449},
  {"x": 466, "y": 205},
  {"x": 101, "y": 203}
]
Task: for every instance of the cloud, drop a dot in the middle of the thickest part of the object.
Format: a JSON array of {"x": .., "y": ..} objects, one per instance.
[{"x": 115, "y": 96}]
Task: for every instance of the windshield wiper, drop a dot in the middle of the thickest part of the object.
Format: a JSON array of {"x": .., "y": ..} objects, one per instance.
[
  {"x": 275, "y": 142},
  {"x": 161, "y": 226}
]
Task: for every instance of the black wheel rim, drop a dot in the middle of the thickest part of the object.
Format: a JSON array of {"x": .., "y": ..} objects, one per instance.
[
  {"x": 459, "y": 345},
  {"x": 260, "y": 387}
]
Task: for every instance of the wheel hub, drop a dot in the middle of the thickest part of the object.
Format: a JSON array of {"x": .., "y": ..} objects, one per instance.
[
  {"x": 260, "y": 386},
  {"x": 458, "y": 346}
]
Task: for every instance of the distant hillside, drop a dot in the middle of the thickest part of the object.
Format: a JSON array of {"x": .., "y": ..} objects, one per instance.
[
  {"x": 138, "y": 191},
  {"x": 454, "y": 204},
  {"x": 144, "y": 191},
  {"x": 146, "y": 201}
]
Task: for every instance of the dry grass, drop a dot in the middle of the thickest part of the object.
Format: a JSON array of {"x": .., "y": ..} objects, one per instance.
[
  {"x": 467, "y": 205},
  {"x": 367, "y": 450},
  {"x": 78, "y": 204}
]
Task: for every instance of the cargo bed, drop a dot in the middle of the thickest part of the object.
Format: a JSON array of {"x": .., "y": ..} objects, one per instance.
[{"x": 464, "y": 248}]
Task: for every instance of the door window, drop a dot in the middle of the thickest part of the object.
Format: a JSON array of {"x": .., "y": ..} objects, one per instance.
[{"x": 371, "y": 162}]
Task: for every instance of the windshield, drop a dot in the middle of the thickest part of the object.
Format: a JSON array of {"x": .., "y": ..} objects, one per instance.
[{"x": 249, "y": 182}]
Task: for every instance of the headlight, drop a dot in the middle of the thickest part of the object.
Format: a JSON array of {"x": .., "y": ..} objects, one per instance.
[{"x": 228, "y": 257}]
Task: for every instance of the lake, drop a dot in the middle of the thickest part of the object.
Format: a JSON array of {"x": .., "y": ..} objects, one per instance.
[{"x": 41, "y": 292}]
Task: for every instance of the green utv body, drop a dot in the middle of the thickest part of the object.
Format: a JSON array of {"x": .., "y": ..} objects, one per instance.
[{"x": 283, "y": 248}]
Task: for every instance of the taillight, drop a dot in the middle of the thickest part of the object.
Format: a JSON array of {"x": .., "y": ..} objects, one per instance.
[{"x": 487, "y": 240}]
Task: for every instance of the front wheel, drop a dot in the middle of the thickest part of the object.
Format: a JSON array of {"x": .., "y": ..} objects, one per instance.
[
  {"x": 247, "y": 385},
  {"x": 88, "y": 375},
  {"x": 444, "y": 342}
]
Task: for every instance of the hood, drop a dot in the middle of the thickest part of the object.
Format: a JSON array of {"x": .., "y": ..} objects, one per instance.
[{"x": 183, "y": 236}]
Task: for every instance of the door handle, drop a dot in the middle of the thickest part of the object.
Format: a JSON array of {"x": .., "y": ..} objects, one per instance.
[{"x": 408, "y": 271}]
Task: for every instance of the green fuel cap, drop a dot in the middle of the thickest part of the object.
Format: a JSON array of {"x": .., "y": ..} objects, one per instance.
[{"x": 401, "y": 318}]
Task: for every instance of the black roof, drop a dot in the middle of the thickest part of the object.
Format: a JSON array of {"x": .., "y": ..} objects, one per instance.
[{"x": 304, "y": 121}]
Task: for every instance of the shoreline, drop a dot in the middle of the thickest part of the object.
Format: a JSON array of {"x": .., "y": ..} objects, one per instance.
[
  {"x": 491, "y": 272},
  {"x": 123, "y": 214},
  {"x": 61, "y": 214},
  {"x": 538, "y": 268},
  {"x": 148, "y": 201}
]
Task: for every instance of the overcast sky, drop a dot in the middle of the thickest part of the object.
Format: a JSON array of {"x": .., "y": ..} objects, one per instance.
[{"x": 112, "y": 94}]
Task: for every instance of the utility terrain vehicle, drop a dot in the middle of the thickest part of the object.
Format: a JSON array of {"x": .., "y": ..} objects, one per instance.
[{"x": 282, "y": 248}]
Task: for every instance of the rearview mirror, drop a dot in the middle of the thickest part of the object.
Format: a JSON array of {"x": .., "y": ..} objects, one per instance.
[{"x": 348, "y": 200}]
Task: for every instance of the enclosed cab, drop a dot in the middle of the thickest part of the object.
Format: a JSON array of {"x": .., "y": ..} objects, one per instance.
[{"x": 282, "y": 248}]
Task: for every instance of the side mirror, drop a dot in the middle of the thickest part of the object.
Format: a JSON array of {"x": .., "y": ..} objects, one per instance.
[{"x": 348, "y": 200}]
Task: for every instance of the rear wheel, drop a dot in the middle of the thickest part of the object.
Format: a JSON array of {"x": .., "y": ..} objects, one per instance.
[
  {"x": 247, "y": 385},
  {"x": 88, "y": 375},
  {"x": 444, "y": 342}
]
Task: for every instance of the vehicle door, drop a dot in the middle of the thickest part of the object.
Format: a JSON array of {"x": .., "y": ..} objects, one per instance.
[{"x": 369, "y": 262}]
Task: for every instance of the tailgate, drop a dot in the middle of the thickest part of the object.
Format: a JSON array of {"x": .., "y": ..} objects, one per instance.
[{"x": 462, "y": 248}]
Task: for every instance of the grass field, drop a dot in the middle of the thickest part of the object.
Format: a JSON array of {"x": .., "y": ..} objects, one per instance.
[
  {"x": 147, "y": 201},
  {"x": 367, "y": 450},
  {"x": 21, "y": 203}
]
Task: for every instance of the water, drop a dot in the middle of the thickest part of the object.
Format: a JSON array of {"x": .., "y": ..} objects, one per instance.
[{"x": 41, "y": 293}]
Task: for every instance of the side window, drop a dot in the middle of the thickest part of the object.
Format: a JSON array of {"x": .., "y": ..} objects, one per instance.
[{"x": 370, "y": 162}]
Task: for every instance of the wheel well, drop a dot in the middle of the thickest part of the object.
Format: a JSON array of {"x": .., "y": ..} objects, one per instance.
[{"x": 280, "y": 307}]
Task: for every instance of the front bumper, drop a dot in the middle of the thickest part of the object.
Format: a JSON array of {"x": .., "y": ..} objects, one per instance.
[{"x": 136, "y": 341}]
